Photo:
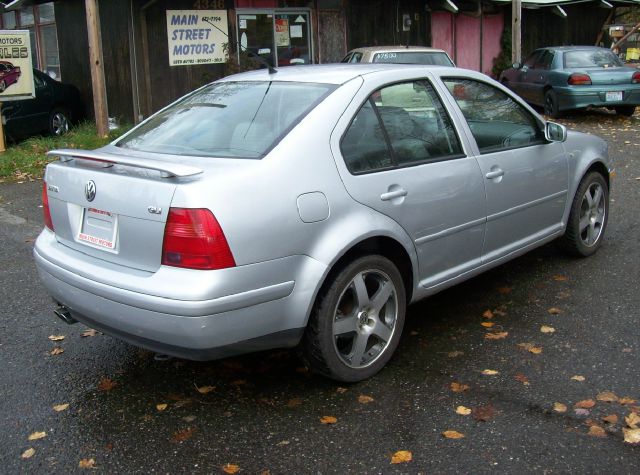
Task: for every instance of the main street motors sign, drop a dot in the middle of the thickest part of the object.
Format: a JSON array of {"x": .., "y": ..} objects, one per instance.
[
  {"x": 16, "y": 73},
  {"x": 196, "y": 36}
]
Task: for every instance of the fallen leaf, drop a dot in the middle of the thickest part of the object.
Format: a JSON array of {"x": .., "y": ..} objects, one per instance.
[
  {"x": 328, "y": 420},
  {"x": 631, "y": 436},
  {"x": 597, "y": 431},
  {"x": 554, "y": 311},
  {"x": 463, "y": 411},
  {"x": 632, "y": 420},
  {"x": 504, "y": 290},
  {"x": 37, "y": 435},
  {"x": 56, "y": 351},
  {"x": 489, "y": 372},
  {"x": 56, "y": 337},
  {"x": 522, "y": 378},
  {"x": 496, "y": 336},
  {"x": 230, "y": 468},
  {"x": 455, "y": 354},
  {"x": 89, "y": 332},
  {"x": 577, "y": 377},
  {"x": 106, "y": 384},
  {"x": 585, "y": 404},
  {"x": 190, "y": 419},
  {"x": 626, "y": 400},
  {"x": 182, "y": 435},
  {"x": 559, "y": 407},
  {"x": 547, "y": 329},
  {"x": 452, "y": 434},
  {"x": 483, "y": 413},
  {"x": 582, "y": 412},
  {"x": 161, "y": 407},
  {"x": 365, "y": 399},
  {"x": 563, "y": 295},
  {"x": 560, "y": 278},
  {"x": 487, "y": 314},
  {"x": 607, "y": 396},
  {"x": 627, "y": 350},
  {"x": 87, "y": 463},
  {"x": 341, "y": 390},
  {"x": 488, "y": 324},
  {"x": 283, "y": 442},
  {"x": 60, "y": 407},
  {"x": 499, "y": 313},
  {"x": 27, "y": 454},
  {"x": 459, "y": 387},
  {"x": 295, "y": 402},
  {"x": 204, "y": 389},
  {"x": 611, "y": 419},
  {"x": 531, "y": 348},
  {"x": 401, "y": 456}
]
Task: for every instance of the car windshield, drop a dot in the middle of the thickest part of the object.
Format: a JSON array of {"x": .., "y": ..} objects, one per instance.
[
  {"x": 228, "y": 119},
  {"x": 596, "y": 58},
  {"x": 436, "y": 58}
]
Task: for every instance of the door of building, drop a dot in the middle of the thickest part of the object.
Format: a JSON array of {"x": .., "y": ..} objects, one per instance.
[{"x": 282, "y": 37}]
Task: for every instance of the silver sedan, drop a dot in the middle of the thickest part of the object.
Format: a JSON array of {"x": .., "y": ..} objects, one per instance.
[{"x": 308, "y": 207}]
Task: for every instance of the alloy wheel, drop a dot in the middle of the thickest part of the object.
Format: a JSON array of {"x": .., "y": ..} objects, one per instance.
[
  {"x": 60, "y": 123},
  {"x": 592, "y": 214}
]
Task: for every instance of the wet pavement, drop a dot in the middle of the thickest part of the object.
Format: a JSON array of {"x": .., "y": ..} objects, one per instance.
[{"x": 130, "y": 413}]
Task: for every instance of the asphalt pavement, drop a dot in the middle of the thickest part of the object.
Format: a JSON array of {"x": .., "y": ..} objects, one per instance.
[{"x": 570, "y": 335}]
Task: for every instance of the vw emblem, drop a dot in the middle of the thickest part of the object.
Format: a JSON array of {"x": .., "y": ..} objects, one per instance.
[{"x": 90, "y": 190}]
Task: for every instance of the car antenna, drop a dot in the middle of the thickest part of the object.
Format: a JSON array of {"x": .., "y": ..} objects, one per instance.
[{"x": 251, "y": 54}]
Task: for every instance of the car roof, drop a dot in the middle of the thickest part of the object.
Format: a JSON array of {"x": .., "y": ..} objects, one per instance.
[
  {"x": 572, "y": 48},
  {"x": 338, "y": 73},
  {"x": 397, "y": 49}
]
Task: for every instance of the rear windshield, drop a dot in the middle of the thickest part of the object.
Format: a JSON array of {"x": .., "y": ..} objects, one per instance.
[
  {"x": 228, "y": 119},
  {"x": 436, "y": 58},
  {"x": 597, "y": 58}
]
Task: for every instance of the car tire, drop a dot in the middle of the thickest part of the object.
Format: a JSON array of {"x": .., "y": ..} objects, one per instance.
[
  {"x": 551, "y": 104},
  {"x": 627, "y": 111},
  {"x": 588, "y": 216},
  {"x": 356, "y": 323},
  {"x": 3, "y": 86},
  {"x": 59, "y": 121}
]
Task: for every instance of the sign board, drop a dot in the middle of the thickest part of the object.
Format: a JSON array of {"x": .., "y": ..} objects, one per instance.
[
  {"x": 197, "y": 36},
  {"x": 16, "y": 73}
]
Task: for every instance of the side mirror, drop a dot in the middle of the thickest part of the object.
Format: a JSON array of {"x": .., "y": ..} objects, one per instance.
[
  {"x": 516, "y": 65},
  {"x": 554, "y": 132}
]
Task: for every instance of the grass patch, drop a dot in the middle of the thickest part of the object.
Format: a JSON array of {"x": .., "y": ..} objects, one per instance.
[{"x": 25, "y": 161}]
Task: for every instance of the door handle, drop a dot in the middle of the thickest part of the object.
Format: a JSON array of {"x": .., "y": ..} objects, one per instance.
[
  {"x": 495, "y": 174},
  {"x": 393, "y": 194}
]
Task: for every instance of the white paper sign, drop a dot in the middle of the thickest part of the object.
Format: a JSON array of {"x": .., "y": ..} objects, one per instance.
[
  {"x": 296, "y": 31},
  {"x": 16, "y": 73},
  {"x": 196, "y": 36}
]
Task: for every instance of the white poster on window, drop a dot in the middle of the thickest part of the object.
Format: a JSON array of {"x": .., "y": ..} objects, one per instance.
[
  {"x": 16, "y": 73},
  {"x": 197, "y": 36}
]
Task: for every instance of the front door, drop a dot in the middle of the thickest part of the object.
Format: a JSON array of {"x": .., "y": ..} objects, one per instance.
[
  {"x": 400, "y": 155},
  {"x": 525, "y": 176}
]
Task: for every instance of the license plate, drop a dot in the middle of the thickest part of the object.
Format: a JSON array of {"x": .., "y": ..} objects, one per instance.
[
  {"x": 613, "y": 96},
  {"x": 99, "y": 228}
]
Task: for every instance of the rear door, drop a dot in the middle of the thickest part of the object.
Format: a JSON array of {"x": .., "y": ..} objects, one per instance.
[
  {"x": 399, "y": 153},
  {"x": 526, "y": 177}
]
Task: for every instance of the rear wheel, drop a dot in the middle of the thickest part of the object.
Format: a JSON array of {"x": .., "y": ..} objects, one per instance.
[
  {"x": 588, "y": 216},
  {"x": 625, "y": 110},
  {"x": 551, "y": 104},
  {"x": 3, "y": 86},
  {"x": 356, "y": 323},
  {"x": 59, "y": 122}
]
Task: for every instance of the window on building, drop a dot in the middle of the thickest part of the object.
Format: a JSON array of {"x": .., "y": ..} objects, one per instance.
[{"x": 40, "y": 21}]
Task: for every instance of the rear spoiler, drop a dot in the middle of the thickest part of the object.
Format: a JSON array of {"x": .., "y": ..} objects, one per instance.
[{"x": 109, "y": 159}]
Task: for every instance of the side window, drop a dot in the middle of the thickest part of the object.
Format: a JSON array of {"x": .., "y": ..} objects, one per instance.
[
  {"x": 400, "y": 125},
  {"x": 531, "y": 60},
  {"x": 544, "y": 61},
  {"x": 497, "y": 121},
  {"x": 347, "y": 58},
  {"x": 355, "y": 58}
]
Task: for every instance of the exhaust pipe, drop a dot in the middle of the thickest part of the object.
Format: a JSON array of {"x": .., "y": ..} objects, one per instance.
[{"x": 63, "y": 314}]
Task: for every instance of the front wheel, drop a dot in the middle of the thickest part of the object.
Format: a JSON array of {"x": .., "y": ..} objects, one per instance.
[
  {"x": 625, "y": 110},
  {"x": 588, "y": 216},
  {"x": 357, "y": 321}
]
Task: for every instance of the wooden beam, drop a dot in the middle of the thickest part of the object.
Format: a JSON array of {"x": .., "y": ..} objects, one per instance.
[
  {"x": 606, "y": 22},
  {"x": 97, "y": 68},
  {"x": 516, "y": 31},
  {"x": 624, "y": 38}
]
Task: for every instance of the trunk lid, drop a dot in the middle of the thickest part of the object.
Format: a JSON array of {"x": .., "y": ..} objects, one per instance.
[
  {"x": 111, "y": 206},
  {"x": 604, "y": 76}
]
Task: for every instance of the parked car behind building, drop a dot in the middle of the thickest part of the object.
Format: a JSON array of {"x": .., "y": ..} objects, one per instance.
[
  {"x": 399, "y": 55},
  {"x": 575, "y": 77}
]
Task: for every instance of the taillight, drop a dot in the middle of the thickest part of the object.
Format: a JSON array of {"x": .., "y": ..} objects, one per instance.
[
  {"x": 46, "y": 212},
  {"x": 194, "y": 239},
  {"x": 635, "y": 79},
  {"x": 579, "y": 79}
]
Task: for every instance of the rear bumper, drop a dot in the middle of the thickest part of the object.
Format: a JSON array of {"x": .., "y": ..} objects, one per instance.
[
  {"x": 236, "y": 316},
  {"x": 580, "y": 97}
]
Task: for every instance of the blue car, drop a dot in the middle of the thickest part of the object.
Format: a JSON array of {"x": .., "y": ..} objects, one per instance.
[{"x": 575, "y": 77}]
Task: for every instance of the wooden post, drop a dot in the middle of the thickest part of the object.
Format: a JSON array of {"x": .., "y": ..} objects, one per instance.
[
  {"x": 606, "y": 22},
  {"x": 516, "y": 31},
  {"x": 624, "y": 38},
  {"x": 3, "y": 147},
  {"x": 97, "y": 68}
]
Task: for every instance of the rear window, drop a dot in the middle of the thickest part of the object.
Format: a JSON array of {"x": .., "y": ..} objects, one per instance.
[
  {"x": 228, "y": 119},
  {"x": 596, "y": 58},
  {"x": 435, "y": 58}
]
